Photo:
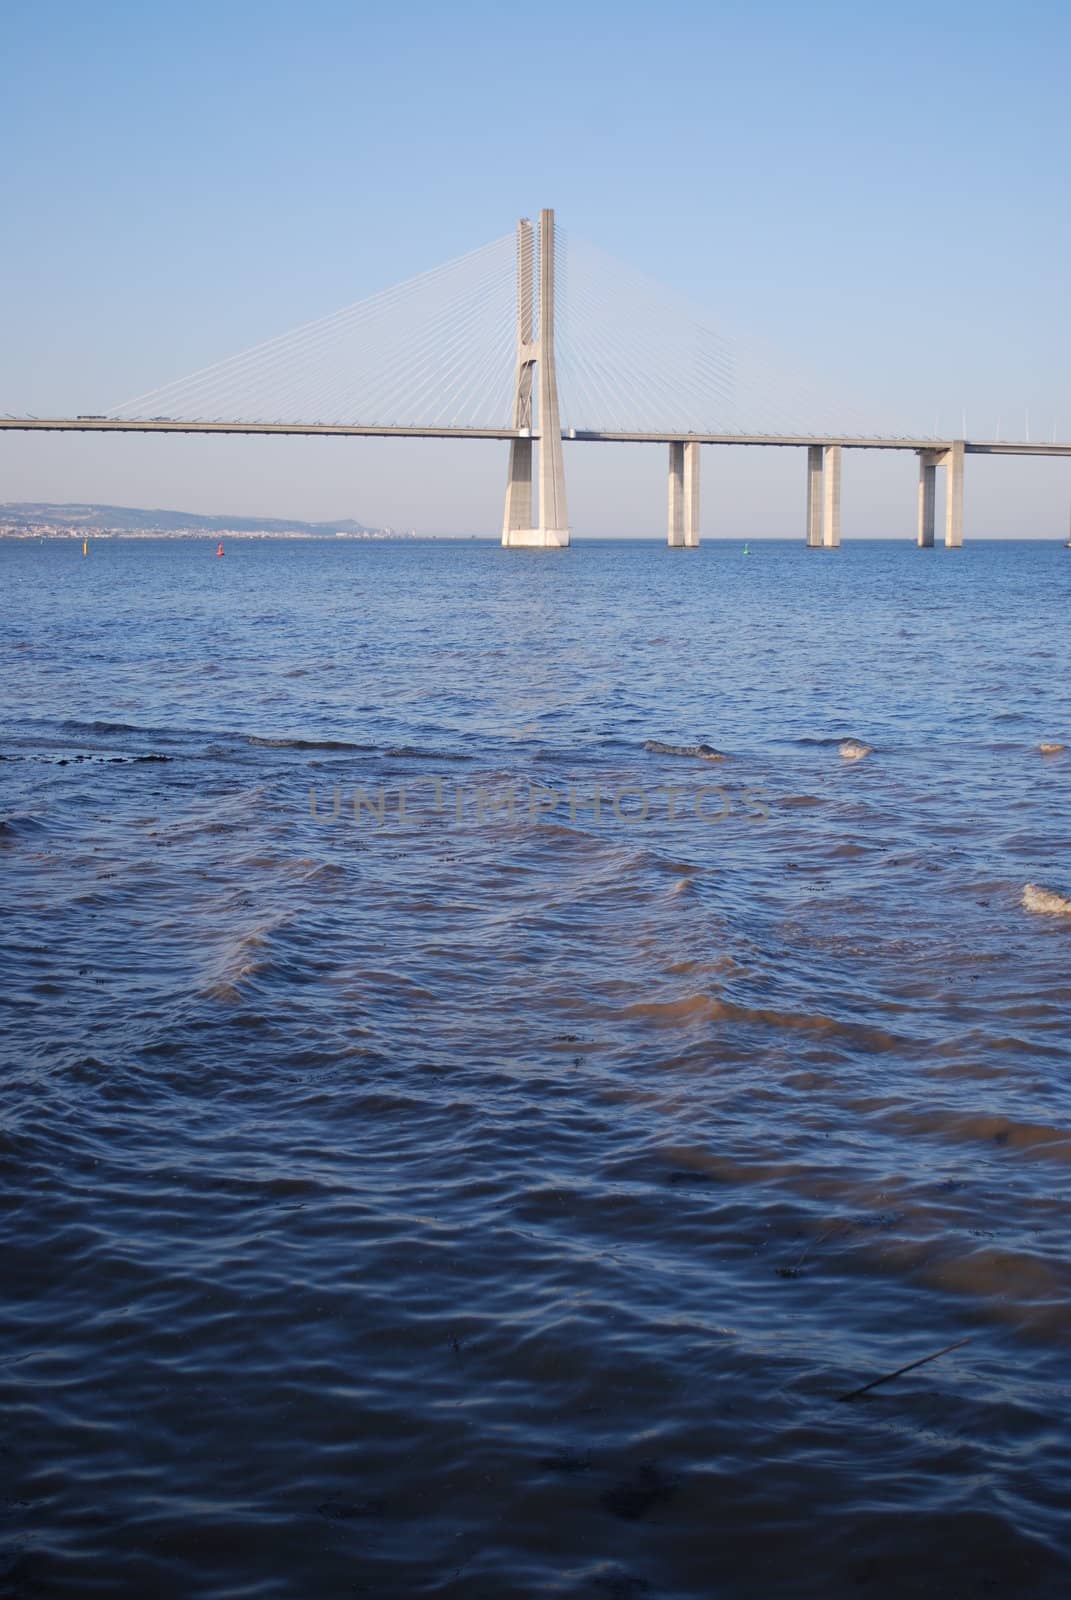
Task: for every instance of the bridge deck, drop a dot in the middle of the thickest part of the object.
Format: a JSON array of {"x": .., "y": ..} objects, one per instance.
[{"x": 990, "y": 447}]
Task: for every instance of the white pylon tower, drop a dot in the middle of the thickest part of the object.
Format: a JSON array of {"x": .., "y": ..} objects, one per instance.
[{"x": 552, "y": 530}]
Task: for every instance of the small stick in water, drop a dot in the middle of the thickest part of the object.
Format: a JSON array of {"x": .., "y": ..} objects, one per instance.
[{"x": 901, "y": 1370}]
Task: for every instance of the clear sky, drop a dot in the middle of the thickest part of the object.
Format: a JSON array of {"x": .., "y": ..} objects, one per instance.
[{"x": 881, "y": 193}]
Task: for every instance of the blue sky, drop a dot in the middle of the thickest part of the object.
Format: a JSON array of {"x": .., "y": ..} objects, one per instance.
[{"x": 879, "y": 194}]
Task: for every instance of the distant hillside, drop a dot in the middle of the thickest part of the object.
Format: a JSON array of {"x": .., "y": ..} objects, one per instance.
[{"x": 27, "y": 518}]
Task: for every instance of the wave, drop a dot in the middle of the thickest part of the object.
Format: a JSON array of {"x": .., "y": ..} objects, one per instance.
[
  {"x": 19, "y": 824},
  {"x": 415, "y": 752},
  {"x": 242, "y": 957},
  {"x": 102, "y": 727},
  {"x": 309, "y": 744}
]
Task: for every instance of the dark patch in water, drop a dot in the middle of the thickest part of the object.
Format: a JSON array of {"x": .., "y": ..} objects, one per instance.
[
  {"x": 699, "y": 752},
  {"x": 413, "y": 752},
  {"x": 568, "y": 1461},
  {"x": 351, "y": 1510},
  {"x": 622, "y": 1585},
  {"x": 634, "y": 1497}
]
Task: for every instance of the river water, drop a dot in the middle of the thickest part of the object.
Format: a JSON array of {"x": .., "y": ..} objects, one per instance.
[{"x": 469, "y": 1204}]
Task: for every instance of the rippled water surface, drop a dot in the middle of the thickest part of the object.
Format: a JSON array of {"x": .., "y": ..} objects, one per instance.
[{"x": 479, "y": 1206}]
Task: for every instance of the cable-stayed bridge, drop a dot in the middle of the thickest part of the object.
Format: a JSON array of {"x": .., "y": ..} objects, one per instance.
[{"x": 532, "y": 339}]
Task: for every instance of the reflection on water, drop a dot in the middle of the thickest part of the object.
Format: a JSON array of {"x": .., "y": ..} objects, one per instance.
[{"x": 476, "y": 1205}]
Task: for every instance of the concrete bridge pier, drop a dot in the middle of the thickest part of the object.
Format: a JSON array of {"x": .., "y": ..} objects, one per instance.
[
  {"x": 831, "y": 498},
  {"x": 518, "y": 512},
  {"x": 951, "y": 457},
  {"x": 691, "y": 494},
  {"x": 927, "y": 496},
  {"x": 953, "y": 460},
  {"x": 814, "y": 496},
  {"x": 823, "y": 496},
  {"x": 683, "y": 497},
  {"x": 675, "y": 507}
]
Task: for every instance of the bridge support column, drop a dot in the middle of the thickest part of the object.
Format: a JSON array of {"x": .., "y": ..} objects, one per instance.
[
  {"x": 952, "y": 458},
  {"x": 552, "y": 529},
  {"x": 814, "y": 496},
  {"x": 831, "y": 497},
  {"x": 927, "y": 497},
  {"x": 953, "y": 461},
  {"x": 518, "y": 513},
  {"x": 683, "y": 496},
  {"x": 675, "y": 499},
  {"x": 691, "y": 494}
]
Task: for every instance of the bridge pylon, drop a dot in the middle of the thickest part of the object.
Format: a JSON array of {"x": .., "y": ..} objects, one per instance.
[{"x": 535, "y": 359}]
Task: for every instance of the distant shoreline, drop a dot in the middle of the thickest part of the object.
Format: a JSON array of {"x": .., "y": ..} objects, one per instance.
[
  {"x": 47, "y": 519},
  {"x": 110, "y": 535}
]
